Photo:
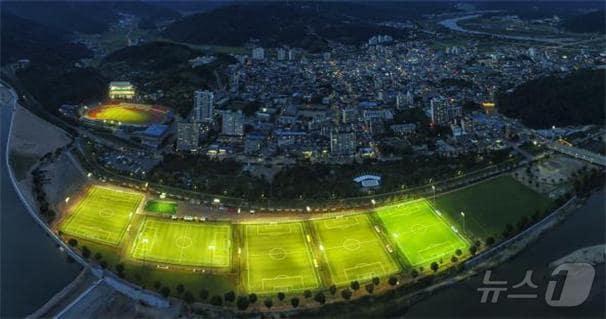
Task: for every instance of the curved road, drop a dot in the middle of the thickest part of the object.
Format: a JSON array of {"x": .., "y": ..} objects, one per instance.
[{"x": 32, "y": 268}]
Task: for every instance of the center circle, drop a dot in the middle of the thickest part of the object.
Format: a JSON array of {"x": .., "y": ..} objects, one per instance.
[
  {"x": 277, "y": 254},
  {"x": 351, "y": 244},
  {"x": 183, "y": 242},
  {"x": 106, "y": 212}
]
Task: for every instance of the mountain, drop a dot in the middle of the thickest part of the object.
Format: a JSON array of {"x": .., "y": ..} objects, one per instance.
[
  {"x": 88, "y": 17},
  {"x": 309, "y": 25},
  {"x": 592, "y": 22},
  {"x": 21, "y": 38},
  {"x": 575, "y": 99}
]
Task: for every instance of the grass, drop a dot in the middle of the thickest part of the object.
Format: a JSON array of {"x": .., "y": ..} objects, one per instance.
[
  {"x": 353, "y": 250},
  {"x": 183, "y": 243},
  {"x": 162, "y": 207},
  {"x": 103, "y": 215},
  {"x": 490, "y": 205},
  {"x": 134, "y": 114},
  {"x": 278, "y": 259},
  {"x": 420, "y": 234}
]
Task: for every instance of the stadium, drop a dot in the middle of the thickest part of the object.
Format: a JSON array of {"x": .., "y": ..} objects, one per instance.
[{"x": 126, "y": 115}]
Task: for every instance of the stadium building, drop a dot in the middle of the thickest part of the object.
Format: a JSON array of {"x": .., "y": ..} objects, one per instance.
[{"x": 122, "y": 90}]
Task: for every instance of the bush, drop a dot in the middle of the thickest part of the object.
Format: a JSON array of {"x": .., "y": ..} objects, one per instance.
[
  {"x": 216, "y": 300},
  {"x": 242, "y": 302},
  {"x": 188, "y": 297},
  {"x": 252, "y": 298},
  {"x": 268, "y": 303},
  {"x": 332, "y": 289},
  {"x": 165, "y": 291},
  {"x": 320, "y": 298},
  {"x": 434, "y": 266},
  {"x": 180, "y": 288},
  {"x": 85, "y": 252},
  {"x": 98, "y": 256},
  {"x": 392, "y": 281},
  {"x": 370, "y": 288},
  {"x": 346, "y": 293},
  {"x": 376, "y": 280},
  {"x": 355, "y": 285},
  {"x": 307, "y": 294},
  {"x": 230, "y": 296},
  {"x": 203, "y": 294},
  {"x": 157, "y": 284},
  {"x": 281, "y": 296},
  {"x": 72, "y": 242},
  {"x": 294, "y": 302}
]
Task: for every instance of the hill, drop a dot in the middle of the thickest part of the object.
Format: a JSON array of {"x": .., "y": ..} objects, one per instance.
[
  {"x": 575, "y": 99},
  {"x": 87, "y": 17},
  {"x": 165, "y": 67},
  {"x": 310, "y": 25},
  {"x": 592, "y": 22},
  {"x": 22, "y": 38}
]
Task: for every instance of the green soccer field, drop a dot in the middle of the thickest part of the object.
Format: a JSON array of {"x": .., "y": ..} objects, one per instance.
[
  {"x": 352, "y": 249},
  {"x": 278, "y": 259},
  {"x": 102, "y": 215},
  {"x": 161, "y": 206},
  {"x": 490, "y": 205},
  {"x": 420, "y": 234},
  {"x": 183, "y": 243}
]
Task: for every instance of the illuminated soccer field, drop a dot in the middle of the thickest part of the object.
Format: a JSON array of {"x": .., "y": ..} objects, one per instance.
[
  {"x": 420, "y": 234},
  {"x": 160, "y": 206},
  {"x": 278, "y": 259},
  {"x": 353, "y": 249},
  {"x": 102, "y": 215},
  {"x": 183, "y": 243}
]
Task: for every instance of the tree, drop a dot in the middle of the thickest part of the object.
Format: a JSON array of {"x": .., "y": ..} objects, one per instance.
[
  {"x": 165, "y": 291},
  {"x": 98, "y": 256},
  {"x": 319, "y": 297},
  {"x": 268, "y": 303},
  {"x": 242, "y": 302},
  {"x": 355, "y": 285},
  {"x": 294, "y": 302},
  {"x": 473, "y": 249},
  {"x": 392, "y": 281},
  {"x": 458, "y": 252},
  {"x": 434, "y": 266},
  {"x": 85, "y": 252},
  {"x": 490, "y": 241},
  {"x": 281, "y": 296},
  {"x": 230, "y": 296},
  {"x": 370, "y": 288},
  {"x": 252, "y": 298},
  {"x": 120, "y": 270},
  {"x": 203, "y": 294},
  {"x": 73, "y": 242},
  {"x": 375, "y": 280},
  {"x": 188, "y": 297},
  {"x": 157, "y": 284},
  {"x": 180, "y": 288},
  {"x": 332, "y": 289},
  {"x": 414, "y": 273},
  {"x": 307, "y": 294},
  {"x": 346, "y": 293},
  {"x": 454, "y": 259},
  {"x": 216, "y": 300}
]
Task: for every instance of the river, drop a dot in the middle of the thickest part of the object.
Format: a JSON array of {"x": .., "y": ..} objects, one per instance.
[
  {"x": 32, "y": 269},
  {"x": 586, "y": 227}
]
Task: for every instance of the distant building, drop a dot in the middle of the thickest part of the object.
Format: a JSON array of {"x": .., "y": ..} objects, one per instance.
[
  {"x": 253, "y": 143},
  {"x": 443, "y": 112},
  {"x": 123, "y": 90},
  {"x": 281, "y": 54},
  {"x": 403, "y": 129},
  {"x": 233, "y": 123},
  {"x": 292, "y": 55},
  {"x": 349, "y": 115},
  {"x": 342, "y": 143},
  {"x": 188, "y": 136},
  {"x": 154, "y": 135},
  {"x": 203, "y": 106},
  {"x": 258, "y": 53}
]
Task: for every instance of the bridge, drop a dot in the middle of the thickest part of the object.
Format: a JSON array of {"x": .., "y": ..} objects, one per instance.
[{"x": 579, "y": 153}]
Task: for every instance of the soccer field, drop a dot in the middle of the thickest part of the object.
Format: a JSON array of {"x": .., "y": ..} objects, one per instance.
[
  {"x": 102, "y": 215},
  {"x": 183, "y": 243},
  {"x": 161, "y": 206},
  {"x": 420, "y": 234},
  {"x": 353, "y": 249},
  {"x": 278, "y": 259}
]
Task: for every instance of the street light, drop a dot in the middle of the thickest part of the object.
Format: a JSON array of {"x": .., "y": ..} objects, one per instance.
[
  {"x": 463, "y": 215},
  {"x": 433, "y": 187}
]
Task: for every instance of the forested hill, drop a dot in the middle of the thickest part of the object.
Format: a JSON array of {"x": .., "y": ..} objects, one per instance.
[
  {"x": 575, "y": 99},
  {"x": 307, "y": 25},
  {"x": 592, "y": 22}
]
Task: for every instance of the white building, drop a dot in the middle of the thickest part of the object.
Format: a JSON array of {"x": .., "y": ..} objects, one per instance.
[
  {"x": 232, "y": 123},
  {"x": 258, "y": 54},
  {"x": 203, "y": 106},
  {"x": 121, "y": 90},
  {"x": 281, "y": 54}
]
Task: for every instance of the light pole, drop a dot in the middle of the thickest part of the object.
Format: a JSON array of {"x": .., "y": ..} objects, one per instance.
[
  {"x": 463, "y": 215},
  {"x": 433, "y": 187}
]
